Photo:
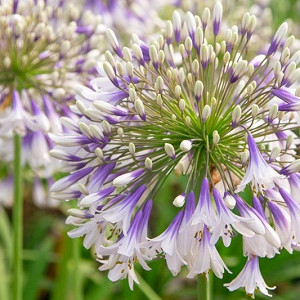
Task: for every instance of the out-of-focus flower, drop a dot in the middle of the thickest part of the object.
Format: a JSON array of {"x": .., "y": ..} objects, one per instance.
[
  {"x": 128, "y": 16},
  {"x": 207, "y": 109},
  {"x": 48, "y": 48}
]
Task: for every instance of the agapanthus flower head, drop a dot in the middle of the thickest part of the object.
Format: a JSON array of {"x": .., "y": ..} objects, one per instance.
[
  {"x": 48, "y": 48},
  {"x": 45, "y": 53},
  {"x": 202, "y": 106}
]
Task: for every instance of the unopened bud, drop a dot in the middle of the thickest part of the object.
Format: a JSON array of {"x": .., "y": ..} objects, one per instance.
[
  {"x": 245, "y": 156},
  {"x": 254, "y": 110},
  {"x": 274, "y": 153},
  {"x": 177, "y": 91},
  {"x": 186, "y": 145},
  {"x": 120, "y": 132},
  {"x": 216, "y": 137},
  {"x": 181, "y": 105},
  {"x": 273, "y": 112},
  {"x": 131, "y": 148},
  {"x": 148, "y": 163},
  {"x": 289, "y": 141},
  {"x": 206, "y": 112},
  {"x": 139, "y": 106},
  {"x": 236, "y": 115},
  {"x": 99, "y": 153},
  {"x": 179, "y": 200},
  {"x": 170, "y": 150}
]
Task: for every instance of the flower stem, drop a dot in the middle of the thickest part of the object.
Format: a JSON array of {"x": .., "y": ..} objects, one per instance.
[
  {"x": 17, "y": 220},
  {"x": 78, "y": 293},
  {"x": 147, "y": 289},
  {"x": 204, "y": 287}
]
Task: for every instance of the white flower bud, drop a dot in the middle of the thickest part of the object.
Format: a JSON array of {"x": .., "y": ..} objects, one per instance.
[
  {"x": 187, "y": 120},
  {"x": 137, "y": 51},
  {"x": 113, "y": 40},
  {"x": 139, "y": 106},
  {"x": 289, "y": 141},
  {"x": 159, "y": 100},
  {"x": 273, "y": 112},
  {"x": 80, "y": 106},
  {"x": 120, "y": 69},
  {"x": 216, "y": 137},
  {"x": 83, "y": 189},
  {"x": 206, "y": 112},
  {"x": 161, "y": 57},
  {"x": 186, "y": 145},
  {"x": 226, "y": 57},
  {"x": 159, "y": 84},
  {"x": 245, "y": 156},
  {"x": 254, "y": 110},
  {"x": 76, "y": 213},
  {"x": 236, "y": 115},
  {"x": 108, "y": 69},
  {"x": 274, "y": 153},
  {"x": 148, "y": 163},
  {"x": 169, "y": 31},
  {"x": 289, "y": 42},
  {"x": 198, "y": 90},
  {"x": 195, "y": 66},
  {"x": 106, "y": 127},
  {"x": 205, "y": 15},
  {"x": 181, "y": 105},
  {"x": 199, "y": 37},
  {"x": 285, "y": 56},
  {"x": 176, "y": 23},
  {"x": 131, "y": 148},
  {"x": 7, "y": 62},
  {"x": 96, "y": 132},
  {"x": 120, "y": 132},
  {"x": 170, "y": 150},
  {"x": 230, "y": 201},
  {"x": 99, "y": 153},
  {"x": 153, "y": 55},
  {"x": 179, "y": 200},
  {"x": 177, "y": 91},
  {"x": 127, "y": 54},
  {"x": 188, "y": 44},
  {"x": 252, "y": 25},
  {"x": 59, "y": 93}
]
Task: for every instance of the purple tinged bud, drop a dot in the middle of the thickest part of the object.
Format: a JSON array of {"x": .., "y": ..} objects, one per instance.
[
  {"x": 217, "y": 17},
  {"x": 114, "y": 42},
  {"x": 177, "y": 26},
  {"x": 278, "y": 37}
]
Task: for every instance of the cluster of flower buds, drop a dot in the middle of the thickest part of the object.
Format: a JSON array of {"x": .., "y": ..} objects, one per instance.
[
  {"x": 47, "y": 49},
  {"x": 194, "y": 101}
]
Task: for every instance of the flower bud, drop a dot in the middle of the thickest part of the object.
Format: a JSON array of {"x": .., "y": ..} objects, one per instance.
[
  {"x": 186, "y": 145},
  {"x": 170, "y": 150}
]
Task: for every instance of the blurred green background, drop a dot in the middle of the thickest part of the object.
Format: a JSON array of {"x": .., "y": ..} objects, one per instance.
[{"x": 58, "y": 268}]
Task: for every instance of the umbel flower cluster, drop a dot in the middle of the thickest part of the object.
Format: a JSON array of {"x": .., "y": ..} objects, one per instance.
[
  {"x": 47, "y": 49},
  {"x": 193, "y": 102}
]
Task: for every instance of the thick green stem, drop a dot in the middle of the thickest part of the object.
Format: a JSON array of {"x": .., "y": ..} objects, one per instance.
[
  {"x": 204, "y": 287},
  {"x": 17, "y": 220},
  {"x": 78, "y": 292}
]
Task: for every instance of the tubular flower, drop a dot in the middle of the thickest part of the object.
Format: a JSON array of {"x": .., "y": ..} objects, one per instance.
[
  {"x": 190, "y": 104},
  {"x": 48, "y": 48}
]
